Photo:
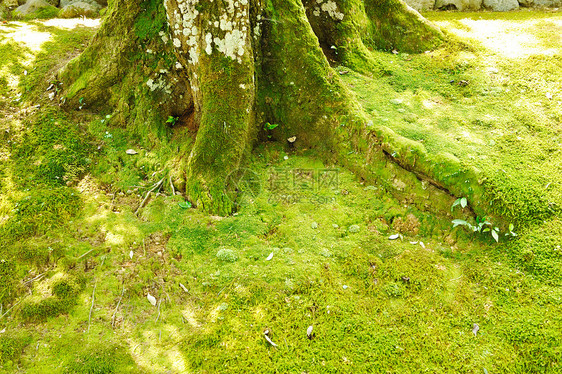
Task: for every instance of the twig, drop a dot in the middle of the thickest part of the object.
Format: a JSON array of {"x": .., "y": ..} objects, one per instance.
[
  {"x": 159, "y": 302},
  {"x": 93, "y": 249},
  {"x": 228, "y": 285},
  {"x": 8, "y": 311},
  {"x": 116, "y": 308},
  {"x": 112, "y": 201},
  {"x": 172, "y": 186},
  {"x": 34, "y": 279},
  {"x": 92, "y": 307},
  {"x": 157, "y": 185}
]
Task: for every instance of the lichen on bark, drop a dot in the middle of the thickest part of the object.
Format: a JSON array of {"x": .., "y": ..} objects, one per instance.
[{"x": 232, "y": 65}]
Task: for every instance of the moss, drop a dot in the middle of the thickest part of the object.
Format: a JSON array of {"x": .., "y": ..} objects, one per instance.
[
  {"x": 539, "y": 251},
  {"x": 65, "y": 289},
  {"x": 151, "y": 20},
  {"x": 43, "y": 13},
  {"x": 227, "y": 255},
  {"x": 65, "y": 292},
  {"x": 12, "y": 345},
  {"x": 8, "y": 280},
  {"x": 102, "y": 360},
  {"x": 50, "y": 153},
  {"x": 40, "y": 211}
]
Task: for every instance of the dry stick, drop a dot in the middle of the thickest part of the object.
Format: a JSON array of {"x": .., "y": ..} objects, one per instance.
[
  {"x": 93, "y": 249},
  {"x": 159, "y": 302},
  {"x": 228, "y": 285},
  {"x": 112, "y": 202},
  {"x": 172, "y": 185},
  {"x": 117, "y": 307},
  {"x": 157, "y": 185},
  {"x": 34, "y": 279},
  {"x": 92, "y": 307},
  {"x": 8, "y": 311}
]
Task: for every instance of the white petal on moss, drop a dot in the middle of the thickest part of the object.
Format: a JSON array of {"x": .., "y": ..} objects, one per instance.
[{"x": 151, "y": 299}]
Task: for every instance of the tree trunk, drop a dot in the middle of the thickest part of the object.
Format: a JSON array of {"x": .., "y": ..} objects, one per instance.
[{"x": 227, "y": 67}]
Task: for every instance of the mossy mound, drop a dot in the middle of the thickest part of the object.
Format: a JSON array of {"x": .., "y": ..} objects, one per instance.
[
  {"x": 539, "y": 251},
  {"x": 102, "y": 360}
]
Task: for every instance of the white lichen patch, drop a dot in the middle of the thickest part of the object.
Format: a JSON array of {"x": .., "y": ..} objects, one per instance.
[
  {"x": 195, "y": 34},
  {"x": 159, "y": 84},
  {"x": 330, "y": 7},
  {"x": 164, "y": 37}
]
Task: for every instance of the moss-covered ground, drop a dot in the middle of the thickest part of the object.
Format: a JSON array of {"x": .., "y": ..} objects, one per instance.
[{"x": 310, "y": 244}]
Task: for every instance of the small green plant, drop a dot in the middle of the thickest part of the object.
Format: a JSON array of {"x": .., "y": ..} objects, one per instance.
[
  {"x": 484, "y": 226},
  {"x": 511, "y": 233},
  {"x": 185, "y": 204},
  {"x": 268, "y": 127},
  {"x": 460, "y": 201},
  {"x": 172, "y": 120}
]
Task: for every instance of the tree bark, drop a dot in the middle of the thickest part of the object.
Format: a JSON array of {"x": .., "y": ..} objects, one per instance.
[{"x": 226, "y": 67}]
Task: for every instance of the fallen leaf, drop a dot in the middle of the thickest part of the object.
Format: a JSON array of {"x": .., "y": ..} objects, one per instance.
[
  {"x": 292, "y": 139},
  {"x": 183, "y": 288},
  {"x": 131, "y": 152},
  {"x": 185, "y": 205},
  {"x": 309, "y": 332},
  {"x": 394, "y": 237},
  {"x": 131, "y": 254},
  {"x": 151, "y": 299},
  {"x": 265, "y": 334},
  {"x": 475, "y": 329},
  {"x": 269, "y": 257}
]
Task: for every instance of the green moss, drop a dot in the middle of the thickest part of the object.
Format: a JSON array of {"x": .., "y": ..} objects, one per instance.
[
  {"x": 102, "y": 360},
  {"x": 227, "y": 255},
  {"x": 40, "y": 211},
  {"x": 539, "y": 251},
  {"x": 8, "y": 280},
  {"x": 50, "y": 153},
  {"x": 12, "y": 345},
  {"x": 46, "y": 308},
  {"x": 151, "y": 20},
  {"x": 43, "y": 13},
  {"x": 64, "y": 297}
]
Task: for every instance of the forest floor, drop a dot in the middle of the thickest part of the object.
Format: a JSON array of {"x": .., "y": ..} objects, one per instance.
[{"x": 93, "y": 282}]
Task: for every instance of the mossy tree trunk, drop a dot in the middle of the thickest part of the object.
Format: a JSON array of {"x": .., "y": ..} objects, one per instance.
[{"x": 226, "y": 67}]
